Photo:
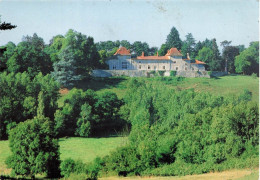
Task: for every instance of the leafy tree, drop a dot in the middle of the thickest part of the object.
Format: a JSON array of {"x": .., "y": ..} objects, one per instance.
[
  {"x": 19, "y": 95},
  {"x": 153, "y": 51},
  {"x": 29, "y": 56},
  {"x": 229, "y": 54},
  {"x": 248, "y": 60},
  {"x": 173, "y": 39},
  {"x": 206, "y": 55},
  {"x": 138, "y": 47},
  {"x": 84, "y": 122},
  {"x": 9, "y": 51},
  {"x": 125, "y": 44},
  {"x": 197, "y": 48},
  {"x": 65, "y": 69},
  {"x": 163, "y": 50},
  {"x": 34, "y": 149}
]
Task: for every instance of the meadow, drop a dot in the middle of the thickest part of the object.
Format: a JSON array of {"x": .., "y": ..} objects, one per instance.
[{"x": 225, "y": 85}]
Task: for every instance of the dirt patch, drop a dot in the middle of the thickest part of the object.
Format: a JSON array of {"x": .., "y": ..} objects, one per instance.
[{"x": 64, "y": 91}]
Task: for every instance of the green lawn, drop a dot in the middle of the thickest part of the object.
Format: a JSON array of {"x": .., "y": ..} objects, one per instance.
[
  {"x": 85, "y": 149},
  {"x": 225, "y": 85}
]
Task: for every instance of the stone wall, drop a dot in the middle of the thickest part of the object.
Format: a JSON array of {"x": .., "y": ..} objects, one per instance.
[{"x": 147, "y": 73}]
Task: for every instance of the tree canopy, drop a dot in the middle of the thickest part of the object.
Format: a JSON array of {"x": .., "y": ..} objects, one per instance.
[{"x": 173, "y": 39}]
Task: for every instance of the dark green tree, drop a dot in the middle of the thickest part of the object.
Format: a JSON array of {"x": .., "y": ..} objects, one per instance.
[
  {"x": 30, "y": 56},
  {"x": 125, "y": 44},
  {"x": 34, "y": 149},
  {"x": 173, "y": 39},
  {"x": 138, "y": 47},
  {"x": 229, "y": 54},
  {"x": 188, "y": 46},
  {"x": 8, "y": 52}
]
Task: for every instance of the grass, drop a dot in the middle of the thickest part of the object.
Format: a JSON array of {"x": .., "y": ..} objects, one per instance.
[{"x": 85, "y": 149}]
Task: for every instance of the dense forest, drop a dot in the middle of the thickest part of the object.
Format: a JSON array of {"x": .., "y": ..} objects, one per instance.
[{"x": 171, "y": 132}]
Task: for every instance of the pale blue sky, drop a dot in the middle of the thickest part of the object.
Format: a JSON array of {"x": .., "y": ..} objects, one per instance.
[{"x": 149, "y": 21}]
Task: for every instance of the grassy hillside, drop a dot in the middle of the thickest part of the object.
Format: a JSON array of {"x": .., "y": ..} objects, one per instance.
[{"x": 226, "y": 85}]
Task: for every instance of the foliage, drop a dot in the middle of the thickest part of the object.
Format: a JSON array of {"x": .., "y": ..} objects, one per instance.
[
  {"x": 65, "y": 69},
  {"x": 84, "y": 113},
  {"x": 173, "y": 73},
  {"x": 34, "y": 149},
  {"x": 229, "y": 54},
  {"x": 163, "y": 50},
  {"x": 10, "y": 47},
  {"x": 173, "y": 39},
  {"x": 29, "y": 55},
  {"x": 161, "y": 73},
  {"x": 248, "y": 60},
  {"x": 138, "y": 47},
  {"x": 19, "y": 96},
  {"x": 188, "y": 46}
]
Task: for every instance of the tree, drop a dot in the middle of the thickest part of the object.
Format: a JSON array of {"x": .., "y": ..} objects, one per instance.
[
  {"x": 229, "y": 54},
  {"x": 153, "y": 51},
  {"x": 34, "y": 149},
  {"x": 173, "y": 39},
  {"x": 84, "y": 122},
  {"x": 188, "y": 46},
  {"x": 225, "y": 44},
  {"x": 125, "y": 44},
  {"x": 163, "y": 50},
  {"x": 65, "y": 69},
  {"x": 8, "y": 52},
  {"x": 6, "y": 26},
  {"x": 138, "y": 47},
  {"x": 206, "y": 55},
  {"x": 248, "y": 60},
  {"x": 29, "y": 55}
]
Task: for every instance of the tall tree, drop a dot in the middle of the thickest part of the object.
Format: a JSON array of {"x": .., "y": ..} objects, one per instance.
[
  {"x": 65, "y": 69},
  {"x": 163, "y": 50},
  {"x": 225, "y": 59},
  {"x": 248, "y": 60},
  {"x": 173, "y": 39},
  {"x": 188, "y": 46}
]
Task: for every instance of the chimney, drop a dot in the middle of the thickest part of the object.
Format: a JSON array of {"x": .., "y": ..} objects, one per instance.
[
  {"x": 157, "y": 54},
  {"x": 188, "y": 56},
  {"x": 142, "y": 54}
]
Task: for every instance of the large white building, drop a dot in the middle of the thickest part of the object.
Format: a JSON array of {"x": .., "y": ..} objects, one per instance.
[{"x": 172, "y": 61}]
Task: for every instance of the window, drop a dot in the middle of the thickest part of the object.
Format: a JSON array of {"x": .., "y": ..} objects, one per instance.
[
  {"x": 140, "y": 67},
  {"x": 114, "y": 67},
  {"x": 124, "y": 65},
  {"x": 176, "y": 68},
  {"x": 140, "y": 62},
  {"x": 154, "y": 67},
  {"x": 148, "y": 66},
  {"x": 163, "y": 67}
]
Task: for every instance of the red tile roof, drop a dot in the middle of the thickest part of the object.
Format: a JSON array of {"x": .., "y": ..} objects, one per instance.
[
  {"x": 173, "y": 52},
  {"x": 198, "y": 62},
  {"x": 122, "y": 51},
  {"x": 153, "y": 57}
]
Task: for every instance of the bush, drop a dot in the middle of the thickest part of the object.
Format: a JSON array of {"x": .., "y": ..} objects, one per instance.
[
  {"x": 161, "y": 73},
  {"x": 254, "y": 75},
  {"x": 173, "y": 73},
  {"x": 34, "y": 149},
  {"x": 69, "y": 166}
]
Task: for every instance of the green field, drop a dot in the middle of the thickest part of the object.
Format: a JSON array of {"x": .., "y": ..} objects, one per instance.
[
  {"x": 85, "y": 149},
  {"x": 225, "y": 85}
]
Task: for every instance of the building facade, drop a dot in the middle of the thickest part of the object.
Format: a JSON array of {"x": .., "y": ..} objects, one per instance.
[{"x": 172, "y": 61}]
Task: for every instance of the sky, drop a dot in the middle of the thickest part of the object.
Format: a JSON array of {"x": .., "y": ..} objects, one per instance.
[{"x": 143, "y": 20}]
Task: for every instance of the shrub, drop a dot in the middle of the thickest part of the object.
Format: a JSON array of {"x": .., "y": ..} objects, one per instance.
[
  {"x": 161, "y": 73},
  {"x": 173, "y": 73},
  {"x": 69, "y": 166},
  {"x": 254, "y": 75}
]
